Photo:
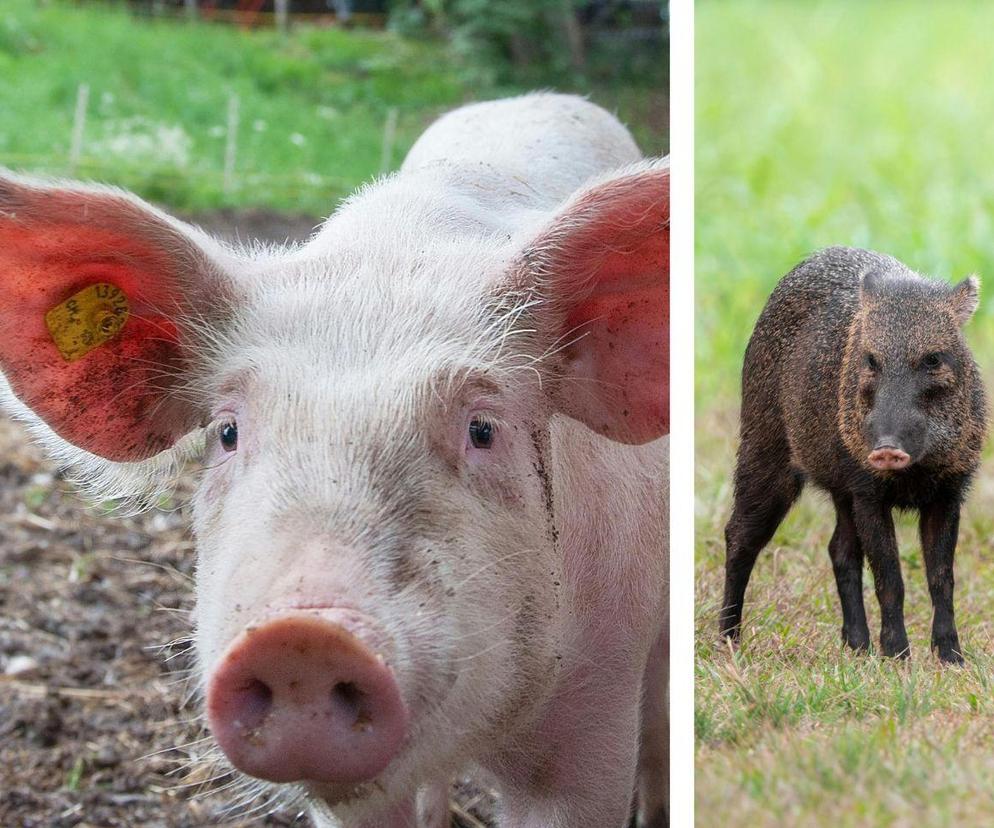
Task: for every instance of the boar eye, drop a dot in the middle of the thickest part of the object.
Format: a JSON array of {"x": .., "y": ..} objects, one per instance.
[
  {"x": 481, "y": 433},
  {"x": 932, "y": 361},
  {"x": 229, "y": 436},
  {"x": 870, "y": 361}
]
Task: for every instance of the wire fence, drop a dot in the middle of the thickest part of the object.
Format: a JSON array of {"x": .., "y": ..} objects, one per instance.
[
  {"x": 227, "y": 182},
  {"x": 278, "y": 14},
  {"x": 221, "y": 157}
]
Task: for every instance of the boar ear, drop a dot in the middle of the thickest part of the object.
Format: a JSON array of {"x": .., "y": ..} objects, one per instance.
[
  {"x": 869, "y": 281},
  {"x": 964, "y": 299},
  {"x": 95, "y": 289},
  {"x": 602, "y": 265}
]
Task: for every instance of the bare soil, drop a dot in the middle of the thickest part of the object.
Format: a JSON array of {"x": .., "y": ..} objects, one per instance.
[{"x": 91, "y": 704}]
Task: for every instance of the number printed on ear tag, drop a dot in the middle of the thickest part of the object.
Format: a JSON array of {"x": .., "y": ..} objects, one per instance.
[{"x": 87, "y": 319}]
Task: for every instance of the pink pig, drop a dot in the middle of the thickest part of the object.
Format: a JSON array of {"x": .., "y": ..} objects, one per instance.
[{"x": 432, "y": 513}]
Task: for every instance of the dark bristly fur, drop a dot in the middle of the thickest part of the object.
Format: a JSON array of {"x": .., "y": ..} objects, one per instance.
[{"x": 854, "y": 352}]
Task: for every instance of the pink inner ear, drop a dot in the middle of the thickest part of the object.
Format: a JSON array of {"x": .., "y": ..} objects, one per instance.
[
  {"x": 625, "y": 353},
  {"x": 622, "y": 363},
  {"x": 113, "y": 401}
]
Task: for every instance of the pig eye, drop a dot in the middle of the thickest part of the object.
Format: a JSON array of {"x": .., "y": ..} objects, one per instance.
[
  {"x": 870, "y": 361},
  {"x": 481, "y": 433},
  {"x": 932, "y": 361},
  {"x": 229, "y": 436}
]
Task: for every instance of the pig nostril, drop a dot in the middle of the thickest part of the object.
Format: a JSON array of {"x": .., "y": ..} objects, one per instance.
[
  {"x": 348, "y": 698},
  {"x": 256, "y": 701}
]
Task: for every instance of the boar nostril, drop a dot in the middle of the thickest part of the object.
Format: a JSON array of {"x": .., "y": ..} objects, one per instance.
[{"x": 256, "y": 702}]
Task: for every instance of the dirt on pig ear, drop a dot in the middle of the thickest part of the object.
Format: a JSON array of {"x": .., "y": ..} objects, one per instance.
[
  {"x": 98, "y": 293},
  {"x": 601, "y": 267}
]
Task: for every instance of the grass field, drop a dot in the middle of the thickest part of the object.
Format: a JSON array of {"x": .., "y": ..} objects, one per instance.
[
  {"x": 312, "y": 106},
  {"x": 836, "y": 123}
]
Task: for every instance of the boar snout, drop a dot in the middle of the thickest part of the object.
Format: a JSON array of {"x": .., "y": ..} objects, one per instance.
[
  {"x": 896, "y": 430},
  {"x": 301, "y": 696},
  {"x": 889, "y": 457}
]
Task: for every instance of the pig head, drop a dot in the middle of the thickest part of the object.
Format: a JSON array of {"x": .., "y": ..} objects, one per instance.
[{"x": 427, "y": 486}]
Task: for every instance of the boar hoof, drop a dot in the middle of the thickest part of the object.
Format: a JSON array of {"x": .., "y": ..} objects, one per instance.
[
  {"x": 856, "y": 641},
  {"x": 948, "y": 652},
  {"x": 895, "y": 647},
  {"x": 729, "y": 638}
]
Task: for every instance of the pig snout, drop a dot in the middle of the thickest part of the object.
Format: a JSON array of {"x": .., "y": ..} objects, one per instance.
[
  {"x": 887, "y": 456},
  {"x": 301, "y": 696}
]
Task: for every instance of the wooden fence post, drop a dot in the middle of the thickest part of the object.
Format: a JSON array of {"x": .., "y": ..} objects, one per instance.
[
  {"x": 574, "y": 36},
  {"x": 389, "y": 136},
  {"x": 78, "y": 126},
  {"x": 231, "y": 145},
  {"x": 282, "y": 8}
]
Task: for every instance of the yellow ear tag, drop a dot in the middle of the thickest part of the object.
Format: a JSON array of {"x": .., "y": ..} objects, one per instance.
[{"x": 87, "y": 319}]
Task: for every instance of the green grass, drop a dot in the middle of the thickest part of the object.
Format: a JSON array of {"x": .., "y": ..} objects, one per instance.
[
  {"x": 312, "y": 105},
  {"x": 836, "y": 123}
]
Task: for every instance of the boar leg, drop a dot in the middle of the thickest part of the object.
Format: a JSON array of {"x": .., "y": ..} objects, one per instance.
[
  {"x": 939, "y": 527},
  {"x": 847, "y": 562},
  {"x": 875, "y": 529},
  {"x": 654, "y": 749},
  {"x": 765, "y": 489}
]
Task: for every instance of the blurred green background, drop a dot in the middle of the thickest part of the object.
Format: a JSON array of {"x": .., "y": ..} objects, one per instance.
[
  {"x": 820, "y": 123},
  {"x": 314, "y": 104}
]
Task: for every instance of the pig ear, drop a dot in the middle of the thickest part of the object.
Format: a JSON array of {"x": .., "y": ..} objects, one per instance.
[
  {"x": 603, "y": 265},
  {"x": 964, "y": 299},
  {"x": 95, "y": 290}
]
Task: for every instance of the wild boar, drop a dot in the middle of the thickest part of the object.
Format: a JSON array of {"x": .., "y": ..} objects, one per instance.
[{"x": 857, "y": 377}]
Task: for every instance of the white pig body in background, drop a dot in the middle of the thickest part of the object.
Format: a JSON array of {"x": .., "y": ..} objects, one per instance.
[{"x": 432, "y": 520}]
